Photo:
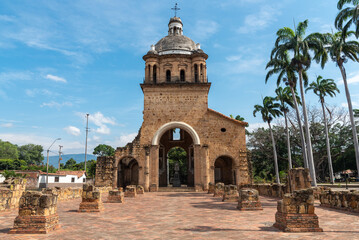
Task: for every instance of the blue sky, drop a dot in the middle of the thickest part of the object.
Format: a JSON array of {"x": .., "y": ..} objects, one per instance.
[{"x": 62, "y": 59}]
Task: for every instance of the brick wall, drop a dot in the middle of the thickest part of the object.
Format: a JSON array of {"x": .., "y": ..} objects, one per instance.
[{"x": 344, "y": 200}]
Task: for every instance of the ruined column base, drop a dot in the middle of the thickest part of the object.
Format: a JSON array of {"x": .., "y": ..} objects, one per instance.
[
  {"x": 210, "y": 188},
  {"x": 140, "y": 190},
  {"x": 115, "y": 196},
  {"x": 230, "y": 198},
  {"x": 131, "y": 191},
  {"x": 198, "y": 188},
  {"x": 35, "y": 224},
  {"x": 297, "y": 222},
  {"x": 153, "y": 188},
  {"x": 249, "y": 206},
  {"x": 91, "y": 206}
]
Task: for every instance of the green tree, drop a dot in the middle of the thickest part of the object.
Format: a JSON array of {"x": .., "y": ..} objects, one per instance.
[
  {"x": 301, "y": 46},
  {"x": 269, "y": 111},
  {"x": 104, "y": 150},
  {"x": 31, "y": 154},
  {"x": 282, "y": 66},
  {"x": 91, "y": 168},
  {"x": 70, "y": 164},
  {"x": 323, "y": 87},
  {"x": 8, "y": 150},
  {"x": 284, "y": 96},
  {"x": 348, "y": 16},
  {"x": 178, "y": 155},
  {"x": 340, "y": 51}
]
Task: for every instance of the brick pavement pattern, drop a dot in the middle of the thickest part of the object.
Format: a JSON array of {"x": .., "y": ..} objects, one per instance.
[{"x": 171, "y": 215}]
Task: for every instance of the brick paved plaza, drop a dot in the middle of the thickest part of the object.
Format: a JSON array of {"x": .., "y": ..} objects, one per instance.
[{"x": 181, "y": 216}]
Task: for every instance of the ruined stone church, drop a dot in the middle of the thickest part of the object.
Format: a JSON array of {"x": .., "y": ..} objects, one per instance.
[{"x": 176, "y": 114}]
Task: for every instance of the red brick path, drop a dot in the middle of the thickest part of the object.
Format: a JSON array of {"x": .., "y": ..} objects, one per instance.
[{"x": 182, "y": 216}]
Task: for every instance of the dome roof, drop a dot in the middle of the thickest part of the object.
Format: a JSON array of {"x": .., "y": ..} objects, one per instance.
[{"x": 175, "y": 42}]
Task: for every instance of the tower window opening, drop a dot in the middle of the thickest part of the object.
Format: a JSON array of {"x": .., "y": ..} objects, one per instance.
[
  {"x": 195, "y": 73},
  {"x": 182, "y": 76},
  {"x": 176, "y": 134},
  {"x": 168, "y": 76},
  {"x": 154, "y": 74}
]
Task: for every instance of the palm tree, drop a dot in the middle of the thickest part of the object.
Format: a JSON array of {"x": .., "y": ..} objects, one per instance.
[
  {"x": 286, "y": 73},
  {"x": 285, "y": 99},
  {"x": 301, "y": 46},
  {"x": 321, "y": 88},
  {"x": 269, "y": 111},
  {"x": 340, "y": 51},
  {"x": 348, "y": 16}
]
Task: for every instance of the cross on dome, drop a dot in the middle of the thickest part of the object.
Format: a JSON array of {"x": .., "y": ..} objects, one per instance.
[{"x": 176, "y": 9}]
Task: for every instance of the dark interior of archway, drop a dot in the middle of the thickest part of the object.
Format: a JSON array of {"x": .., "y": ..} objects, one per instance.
[
  {"x": 127, "y": 172},
  {"x": 223, "y": 170},
  {"x": 177, "y": 146}
]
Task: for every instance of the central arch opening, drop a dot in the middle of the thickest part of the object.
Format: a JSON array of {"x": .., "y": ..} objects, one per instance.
[{"x": 176, "y": 159}]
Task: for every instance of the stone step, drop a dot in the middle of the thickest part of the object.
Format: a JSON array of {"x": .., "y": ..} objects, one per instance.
[{"x": 176, "y": 189}]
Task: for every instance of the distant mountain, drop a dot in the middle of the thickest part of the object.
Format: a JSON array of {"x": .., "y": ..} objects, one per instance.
[{"x": 54, "y": 160}]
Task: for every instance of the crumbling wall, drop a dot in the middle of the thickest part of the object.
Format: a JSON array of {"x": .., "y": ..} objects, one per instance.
[
  {"x": 10, "y": 193},
  {"x": 343, "y": 200},
  {"x": 104, "y": 171}
]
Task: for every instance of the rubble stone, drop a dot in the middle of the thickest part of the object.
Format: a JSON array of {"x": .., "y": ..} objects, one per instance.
[
  {"x": 116, "y": 196},
  {"x": 210, "y": 188},
  {"x": 140, "y": 189}
]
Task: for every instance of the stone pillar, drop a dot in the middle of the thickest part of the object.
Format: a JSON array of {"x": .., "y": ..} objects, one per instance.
[
  {"x": 154, "y": 165},
  {"x": 295, "y": 213},
  {"x": 37, "y": 214},
  {"x": 147, "y": 169},
  {"x": 115, "y": 175},
  {"x": 298, "y": 178},
  {"x": 91, "y": 199},
  {"x": 197, "y": 165},
  {"x": 205, "y": 168},
  {"x": 249, "y": 200}
]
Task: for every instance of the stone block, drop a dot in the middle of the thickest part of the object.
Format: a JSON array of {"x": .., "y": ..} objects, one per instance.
[
  {"x": 116, "y": 196},
  {"x": 210, "y": 188},
  {"x": 91, "y": 199},
  {"x": 249, "y": 200},
  {"x": 37, "y": 214},
  {"x": 131, "y": 191},
  {"x": 140, "y": 189},
  {"x": 218, "y": 190},
  {"x": 295, "y": 213},
  {"x": 153, "y": 188},
  {"x": 230, "y": 193}
]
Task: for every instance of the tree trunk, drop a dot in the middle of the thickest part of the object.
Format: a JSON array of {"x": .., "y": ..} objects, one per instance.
[
  {"x": 330, "y": 165},
  {"x": 302, "y": 138},
  {"x": 275, "y": 155},
  {"x": 307, "y": 131},
  {"x": 351, "y": 114},
  {"x": 288, "y": 141}
]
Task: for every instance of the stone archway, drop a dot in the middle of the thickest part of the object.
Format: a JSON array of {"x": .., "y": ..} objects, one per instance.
[
  {"x": 173, "y": 125},
  {"x": 128, "y": 172},
  {"x": 223, "y": 170}
]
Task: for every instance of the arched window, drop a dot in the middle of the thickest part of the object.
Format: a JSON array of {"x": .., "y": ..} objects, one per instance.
[
  {"x": 182, "y": 76},
  {"x": 195, "y": 73},
  {"x": 154, "y": 74},
  {"x": 168, "y": 76},
  {"x": 202, "y": 72}
]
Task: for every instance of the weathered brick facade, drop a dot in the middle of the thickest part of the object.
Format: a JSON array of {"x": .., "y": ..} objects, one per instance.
[{"x": 176, "y": 96}]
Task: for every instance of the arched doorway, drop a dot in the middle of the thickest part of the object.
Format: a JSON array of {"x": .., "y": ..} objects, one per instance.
[
  {"x": 223, "y": 170},
  {"x": 127, "y": 172},
  {"x": 176, "y": 146}
]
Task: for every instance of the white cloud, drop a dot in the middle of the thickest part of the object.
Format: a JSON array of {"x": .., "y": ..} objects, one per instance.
[
  {"x": 123, "y": 140},
  {"x": 352, "y": 78},
  {"x": 254, "y": 126},
  {"x": 100, "y": 121},
  {"x": 259, "y": 20},
  {"x": 72, "y": 130},
  {"x": 35, "y": 92},
  {"x": 55, "y": 78},
  {"x": 7, "y": 125},
  {"x": 248, "y": 64},
  {"x": 57, "y": 105},
  {"x": 203, "y": 29}
]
